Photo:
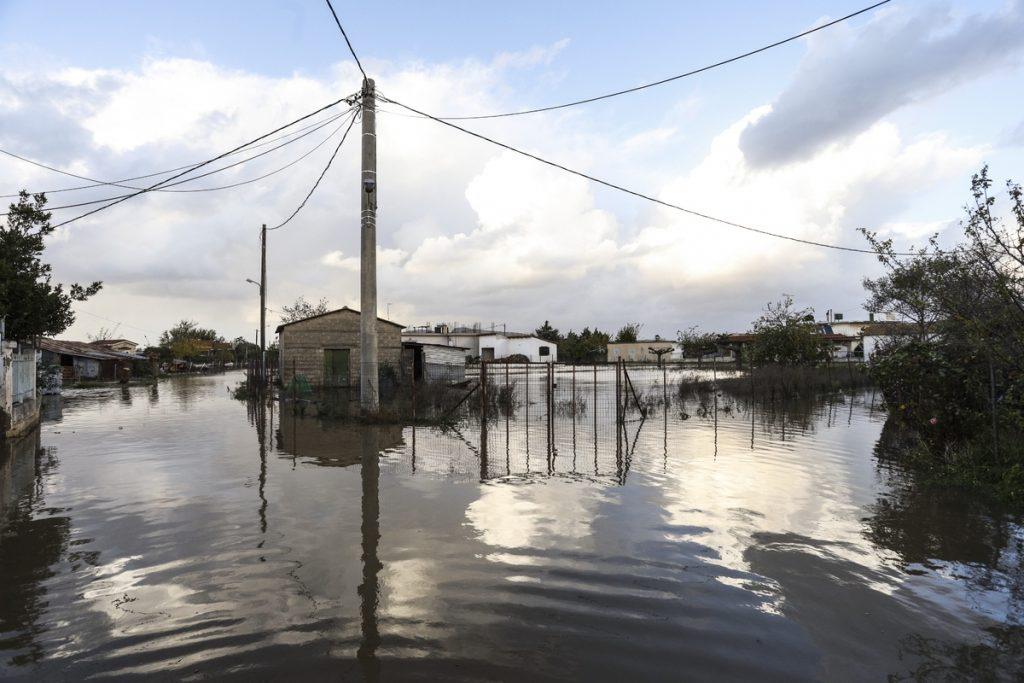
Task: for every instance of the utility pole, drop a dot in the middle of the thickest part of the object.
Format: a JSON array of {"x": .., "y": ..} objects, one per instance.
[
  {"x": 263, "y": 305},
  {"x": 368, "y": 397}
]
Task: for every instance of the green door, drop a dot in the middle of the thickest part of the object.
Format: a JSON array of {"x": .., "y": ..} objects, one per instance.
[{"x": 336, "y": 367}]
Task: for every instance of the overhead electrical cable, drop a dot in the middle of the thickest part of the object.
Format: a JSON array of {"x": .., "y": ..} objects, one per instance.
[
  {"x": 635, "y": 193},
  {"x": 663, "y": 81},
  {"x": 198, "y": 166},
  {"x": 216, "y": 170},
  {"x": 322, "y": 174},
  {"x": 117, "y": 183},
  {"x": 347, "y": 41}
]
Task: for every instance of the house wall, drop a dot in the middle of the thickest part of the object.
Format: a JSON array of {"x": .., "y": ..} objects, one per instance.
[
  {"x": 302, "y": 344},
  {"x": 639, "y": 351},
  {"x": 86, "y": 368},
  {"x": 530, "y": 347}
]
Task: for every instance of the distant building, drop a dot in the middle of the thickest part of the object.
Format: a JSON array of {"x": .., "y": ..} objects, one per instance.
[
  {"x": 641, "y": 351},
  {"x": 842, "y": 345},
  {"x": 119, "y": 345},
  {"x": 325, "y": 348},
  {"x": 433, "y": 362},
  {"x": 871, "y": 332},
  {"x": 487, "y": 345},
  {"x": 83, "y": 360}
]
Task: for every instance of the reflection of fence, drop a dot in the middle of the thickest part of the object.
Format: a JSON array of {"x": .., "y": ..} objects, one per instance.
[{"x": 23, "y": 377}]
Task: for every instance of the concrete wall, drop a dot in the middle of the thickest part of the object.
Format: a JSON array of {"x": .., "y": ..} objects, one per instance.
[
  {"x": 302, "y": 345},
  {"x": 640, "y": 351},
  {"x": 15, "y": 418}
]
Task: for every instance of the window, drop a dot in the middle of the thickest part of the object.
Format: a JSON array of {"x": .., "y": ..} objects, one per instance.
[{"x": 545, "y": 351}]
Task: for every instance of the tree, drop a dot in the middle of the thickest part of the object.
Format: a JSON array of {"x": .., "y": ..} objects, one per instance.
[
  {"x": 32, "y": 305},
  {"x": 958, "y": 377},
  {"x": 102, "y": 334},
  {"x": 188, "y": 340},
  {"x": 659, "y": 351},
  {"x": 696, "y": 343},
  {"x": 787, "y": 336},
  {"x": 548, "y": 333},
  {"x": 302, "y": 309},
  {"x": 628, "y": 333},
  {"x": 588, "y": 345}
]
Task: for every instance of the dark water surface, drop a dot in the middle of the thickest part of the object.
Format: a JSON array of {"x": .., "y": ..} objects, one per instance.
[{"x": 174, "y": 532}]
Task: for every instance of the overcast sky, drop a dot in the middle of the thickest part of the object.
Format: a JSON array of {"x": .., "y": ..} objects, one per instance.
[{"x": 877, "y": 123}]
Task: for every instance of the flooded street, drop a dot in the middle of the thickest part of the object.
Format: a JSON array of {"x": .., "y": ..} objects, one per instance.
[{"x": 174, "y": 531}]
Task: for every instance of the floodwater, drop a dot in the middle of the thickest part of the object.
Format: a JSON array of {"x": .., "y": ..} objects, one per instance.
[{"x": 174, "y": 532}]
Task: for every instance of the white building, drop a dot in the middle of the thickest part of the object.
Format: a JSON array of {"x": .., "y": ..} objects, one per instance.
[{"x": 487, "y": 345}]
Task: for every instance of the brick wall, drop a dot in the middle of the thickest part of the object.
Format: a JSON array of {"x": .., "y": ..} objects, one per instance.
[{"x": 302, "y": 345}]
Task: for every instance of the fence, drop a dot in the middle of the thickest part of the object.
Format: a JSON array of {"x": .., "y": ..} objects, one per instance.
[{"x": 23, "y": 377}]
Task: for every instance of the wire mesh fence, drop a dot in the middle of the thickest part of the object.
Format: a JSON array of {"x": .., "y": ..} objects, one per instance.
[{"x": 496, "y": 420}]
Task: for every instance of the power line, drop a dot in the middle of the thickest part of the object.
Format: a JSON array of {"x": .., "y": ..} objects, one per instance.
[
  {"x": 635, "y": 193},
  {"x": 670, "y": 78},
  {"x": 117, "y": 183},
  {"x": 347, "y": 41},
  {"x": 198, "y": 166},
  {"x": 322, "y": 174},
  {"x": 223, "y": 168}
]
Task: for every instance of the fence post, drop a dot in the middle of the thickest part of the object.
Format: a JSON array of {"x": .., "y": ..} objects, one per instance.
[
  {"x": 618, "y": 390},
  {"x": 574, "y": 393},
  {"x": 483, "y": 420}
]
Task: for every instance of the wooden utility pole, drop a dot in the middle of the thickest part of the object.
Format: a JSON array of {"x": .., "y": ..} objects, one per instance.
[
  {"x": 368, "y": 397},
  {"x": 263, "y": 305}
]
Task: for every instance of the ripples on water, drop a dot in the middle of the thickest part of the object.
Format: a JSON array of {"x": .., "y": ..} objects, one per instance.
[{"x": 173, "y": 531}]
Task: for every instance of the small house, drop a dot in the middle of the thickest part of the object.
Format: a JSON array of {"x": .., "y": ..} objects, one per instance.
[
  {"x": 119, "y": 345},
  {"x": 82, "y": 360},
  {"x": 487, "y": 345},
  {"x": 433, "y": 362},
  {"x": 325, "y": 348}
]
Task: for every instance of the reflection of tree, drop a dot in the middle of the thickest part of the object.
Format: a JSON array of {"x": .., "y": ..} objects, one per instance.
[
  {"x": 30, "y": 544},
  {"x": 992, "y": 661},
  {"x": 923, "y": 524}
]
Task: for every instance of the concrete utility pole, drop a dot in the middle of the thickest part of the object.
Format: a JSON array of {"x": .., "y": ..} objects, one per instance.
[
  {"x": 368, "y": 255},
  {"x": 263, "y": 304}
]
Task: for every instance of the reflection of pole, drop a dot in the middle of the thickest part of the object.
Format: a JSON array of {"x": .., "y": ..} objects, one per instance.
[
  {"x": 260, "y": 418},
  {"x": 369, "y": 588}
]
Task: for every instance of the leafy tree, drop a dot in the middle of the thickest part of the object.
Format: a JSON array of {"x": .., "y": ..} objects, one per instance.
[
  {"x": 302, "y": 309},
  {"x": 586, "y": 346},
  {"x": 32, "y": 305},
  {"x": 696, "y": 343},
  {"x": 628, "y": 333},
  {"x": 548, "y": 333},
  {"x": 787, "y": 336},
  {"x": 955, "y": 377},
  {"x": 188, "y": 340}
]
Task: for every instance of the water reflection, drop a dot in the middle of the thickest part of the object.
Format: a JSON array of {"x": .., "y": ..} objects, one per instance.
[
  {"x": 758, "y": 540},
  {"x": 32, "y": 540}
]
